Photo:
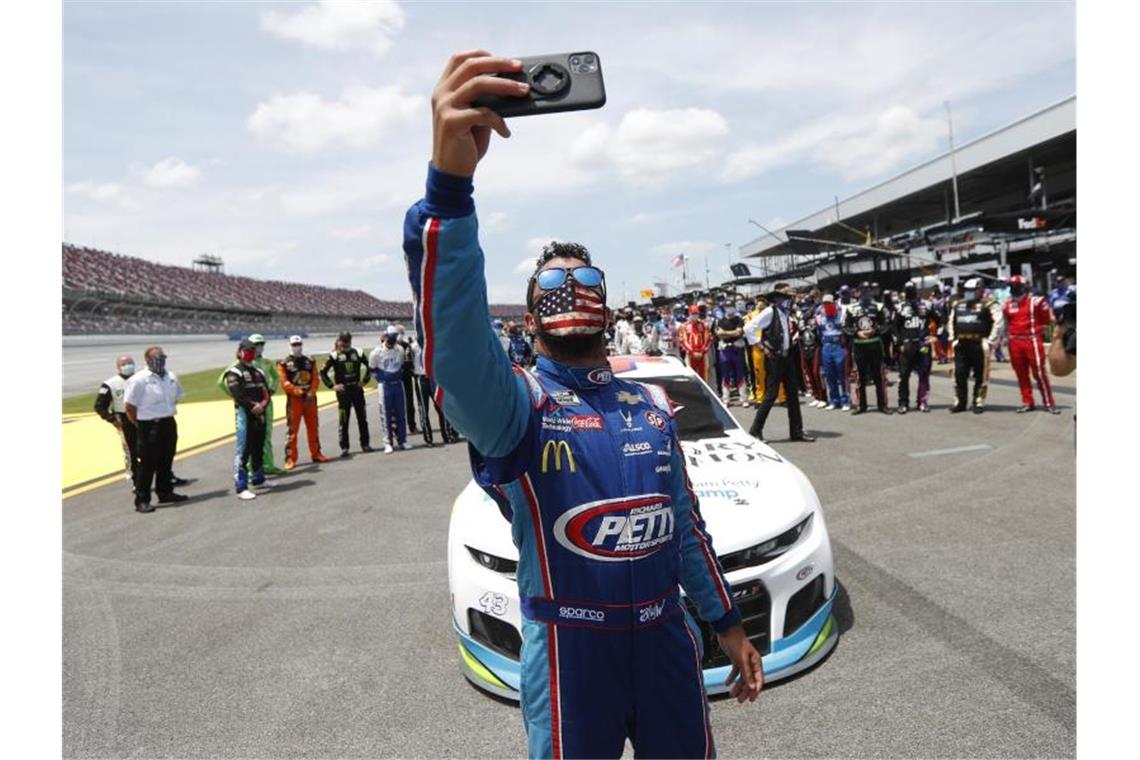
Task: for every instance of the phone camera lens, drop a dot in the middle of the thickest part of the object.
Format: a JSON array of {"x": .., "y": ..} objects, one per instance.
[
  {"x": 588, "y": 59},
  {"x": 574, "y": 60}
]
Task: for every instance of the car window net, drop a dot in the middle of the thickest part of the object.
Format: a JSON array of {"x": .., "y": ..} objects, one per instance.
[{"x": 699, "y": 416}]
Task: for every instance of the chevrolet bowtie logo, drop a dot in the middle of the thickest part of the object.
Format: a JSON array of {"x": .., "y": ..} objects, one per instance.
[
  {"x": 558, "y": 447},
  {"x": 628, "y": 398}
]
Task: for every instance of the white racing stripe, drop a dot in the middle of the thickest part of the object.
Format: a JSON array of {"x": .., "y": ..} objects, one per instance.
[{"x": 958, "y": 450}]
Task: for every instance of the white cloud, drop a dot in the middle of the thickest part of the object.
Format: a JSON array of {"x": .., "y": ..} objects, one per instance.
[
  {"x": 526, "y": 266},
  {"x": 898, "y": 134},
  {"x": 106, "y": 191},
  {"x": 339, "y": 26},
  {"x": 306, "y": 122},
  {"x": 855, "y": 144},
  {"x": 649, "y": 144},
  {"x": 496, "y": 221},
  {"x": 366, "y": 263},
  {"x": 359, "y": 232},
  {"x": 689, "y": 247},
  {"x": 170, "y": 172}
]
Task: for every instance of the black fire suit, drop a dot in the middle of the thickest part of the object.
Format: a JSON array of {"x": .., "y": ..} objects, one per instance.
[
  {"x": 407, "y": 377},
  {"x": 912, "y": 330},
  {"x": 345, "y": 367},
  {"x": 867, "y": 317},
  {"x": 971, "y": 328}
]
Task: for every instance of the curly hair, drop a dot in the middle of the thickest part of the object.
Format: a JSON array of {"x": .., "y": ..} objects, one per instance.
[{"x": 556, "y": 249}]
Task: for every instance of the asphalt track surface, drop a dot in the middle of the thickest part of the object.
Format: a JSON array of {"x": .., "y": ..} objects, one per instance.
[{"x": 314, "y": 621}]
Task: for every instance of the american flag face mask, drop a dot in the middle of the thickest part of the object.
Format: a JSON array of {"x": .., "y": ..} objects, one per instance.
[{"x": 571, "y": 308}]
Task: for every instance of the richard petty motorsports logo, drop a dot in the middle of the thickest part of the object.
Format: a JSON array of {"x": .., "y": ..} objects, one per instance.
[{"x": 613, "y": 530}]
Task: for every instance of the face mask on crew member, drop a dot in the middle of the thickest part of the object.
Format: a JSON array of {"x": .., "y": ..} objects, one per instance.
[
  {"x": 297, "y": 350},
  {"x": 248, "y": 356},
  {"x": 128, "y": 369},
  {"x": 156, "y": 363},
  {"x": 830, "y": 309}
]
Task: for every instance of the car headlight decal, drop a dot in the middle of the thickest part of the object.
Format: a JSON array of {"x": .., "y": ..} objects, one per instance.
[
  {"x": 493, "y": 563},
  {"x": 767, "y": 551}
]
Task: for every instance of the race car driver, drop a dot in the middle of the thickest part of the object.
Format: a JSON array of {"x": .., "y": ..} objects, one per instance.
[
  {"x": 696, "y": 340},
  {"x": 1025, "y": 318},
  {"x": 912, "y": 330},
  {"x": 298, "y": 374},
  {"x": 386, "y": 363},
  {"x": 588, "y": 468},
  {"x": 971, "y": 329},
  {"x": 109, "y": 405},
  {"x": 345, "y": 364},
  {"x": 269, "y": 369},
  {"x": 249, "y": 389},
  {"x": 864, "y": 324}
]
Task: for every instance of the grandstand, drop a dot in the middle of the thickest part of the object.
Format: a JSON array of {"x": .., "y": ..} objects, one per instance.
[
  {"x": 111, "y": 294},
  {"x": 1004, "y": 203}
]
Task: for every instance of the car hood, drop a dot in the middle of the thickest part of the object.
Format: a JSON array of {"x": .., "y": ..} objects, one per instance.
[{"x": 748, "y": 493}]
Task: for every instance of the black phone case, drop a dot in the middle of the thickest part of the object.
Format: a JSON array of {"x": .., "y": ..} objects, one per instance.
[{"x": 583, "y": 90}]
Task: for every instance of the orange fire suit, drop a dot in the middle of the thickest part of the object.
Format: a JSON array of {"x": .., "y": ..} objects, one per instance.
[{"x": 299, "y": 381}]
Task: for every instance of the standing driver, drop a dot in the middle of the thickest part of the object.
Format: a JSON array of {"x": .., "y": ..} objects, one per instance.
[
  {"x": 605, "y": 539},
  {"x": 110, "y": 406},
  {"x": 298, "y": 373}
]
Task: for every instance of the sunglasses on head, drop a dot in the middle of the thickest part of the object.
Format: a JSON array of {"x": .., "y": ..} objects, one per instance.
[{"x": 554, "y": 277}]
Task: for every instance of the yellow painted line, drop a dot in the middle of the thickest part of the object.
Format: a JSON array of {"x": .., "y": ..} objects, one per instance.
[{"x": 92, "y": 454}]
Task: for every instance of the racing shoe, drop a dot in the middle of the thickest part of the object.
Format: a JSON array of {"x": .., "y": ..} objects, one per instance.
[
  {"x": 403, "y": 447},
  {"x": 321, "y": 459},
  {"x": 144, "y": 506},
  {"x": 845, "y": 408},
  {"x": 173, "y": 498},
  {"x": 957, "y": 409},
  {"x": 344, "y": 453},
  {"x": 290, "y": 464},
  {"x": 264, "y": 485},
  {"x": 979, "y": 408},
  {"x": 247, "y": 495},
  {"x": 388, "y": 449},
  {"x": 1053, "y": 410},
  {"x": 1026, "y": 408},
  {"x": 923, "y": 408},
  {"x": 903, "y": 409},
  {"x": 366, "y": 449}
]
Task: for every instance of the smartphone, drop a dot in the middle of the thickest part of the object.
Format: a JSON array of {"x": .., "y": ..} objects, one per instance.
[{"x": 559, "y": 82}]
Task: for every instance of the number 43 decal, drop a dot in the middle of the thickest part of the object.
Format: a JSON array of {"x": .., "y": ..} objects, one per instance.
[{"x": 496, "y": 604}]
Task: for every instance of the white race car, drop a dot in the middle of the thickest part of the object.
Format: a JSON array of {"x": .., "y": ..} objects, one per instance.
[{"x": 762, "y": 513}]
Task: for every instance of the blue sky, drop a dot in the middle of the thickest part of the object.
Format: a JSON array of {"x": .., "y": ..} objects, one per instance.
[{"x": 289, "y": 138}]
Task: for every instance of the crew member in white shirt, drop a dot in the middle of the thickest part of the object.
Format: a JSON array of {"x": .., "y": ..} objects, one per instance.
[{"x": 151, "y": 398}]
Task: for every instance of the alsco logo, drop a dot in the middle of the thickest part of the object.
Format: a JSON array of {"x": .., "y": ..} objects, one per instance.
[
  {"x": 557, "y": 448},
  {"x": 613, "y": 530}
]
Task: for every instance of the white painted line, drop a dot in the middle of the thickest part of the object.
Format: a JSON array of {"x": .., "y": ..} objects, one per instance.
[{"x": 958, "y": 450}]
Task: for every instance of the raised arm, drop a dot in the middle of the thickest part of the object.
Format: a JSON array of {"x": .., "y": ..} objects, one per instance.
[
  {"x": 481, "y": 395},
  {"x": 479, "y": 392}
]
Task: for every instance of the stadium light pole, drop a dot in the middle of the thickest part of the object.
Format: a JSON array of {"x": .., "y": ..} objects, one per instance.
[{"x": 953, "y": 160}]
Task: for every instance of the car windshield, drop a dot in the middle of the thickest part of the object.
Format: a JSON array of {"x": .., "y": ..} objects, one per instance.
[{"x": 699, "y": 415}]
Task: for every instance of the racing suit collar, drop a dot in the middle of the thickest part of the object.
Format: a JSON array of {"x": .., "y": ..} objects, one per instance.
[{"x": 575, "y": 377}]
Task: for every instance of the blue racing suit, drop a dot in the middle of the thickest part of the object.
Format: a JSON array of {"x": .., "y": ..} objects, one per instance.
[
  {"x": 589, "y": 470},
  {"x": 387, "y": 366},
  {"x": 834, "y": 356}
]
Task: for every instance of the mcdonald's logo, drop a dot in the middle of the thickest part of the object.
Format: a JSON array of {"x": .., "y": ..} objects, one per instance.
[{"x": 558, "y": 447}]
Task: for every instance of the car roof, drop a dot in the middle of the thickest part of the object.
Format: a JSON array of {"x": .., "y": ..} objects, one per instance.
[{"x": 637, "y": 366}]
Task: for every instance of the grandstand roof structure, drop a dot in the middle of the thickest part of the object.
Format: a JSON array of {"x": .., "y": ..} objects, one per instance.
[
  {"x": 914, "y": 211},
  {"x": 921, "y": 196}
]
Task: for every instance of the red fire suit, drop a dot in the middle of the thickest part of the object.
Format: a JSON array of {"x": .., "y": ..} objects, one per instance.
[
  {"x": 696, "y": 339},
  {"x": 1025, "y": 318}
]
